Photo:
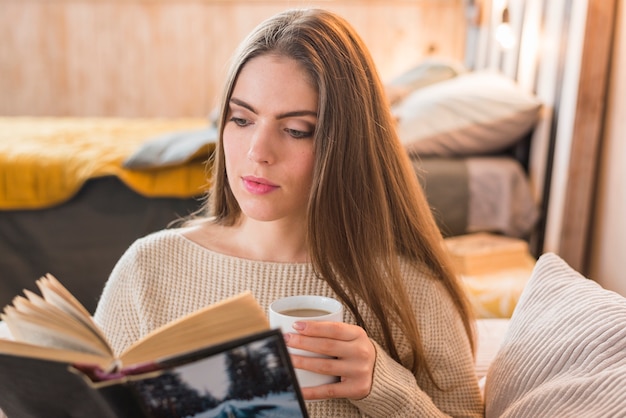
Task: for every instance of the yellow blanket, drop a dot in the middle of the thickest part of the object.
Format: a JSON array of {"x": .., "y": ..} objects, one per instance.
[{"x": 45, "y": 161}]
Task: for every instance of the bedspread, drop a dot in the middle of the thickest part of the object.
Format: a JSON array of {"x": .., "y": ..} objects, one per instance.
[{"x": 45, "y": 161}]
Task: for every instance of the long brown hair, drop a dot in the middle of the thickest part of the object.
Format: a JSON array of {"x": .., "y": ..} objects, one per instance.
[{"x": 366, "y": 207}]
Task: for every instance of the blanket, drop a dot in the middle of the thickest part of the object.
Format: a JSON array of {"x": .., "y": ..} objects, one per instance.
[{"x": 46, "y": 161}]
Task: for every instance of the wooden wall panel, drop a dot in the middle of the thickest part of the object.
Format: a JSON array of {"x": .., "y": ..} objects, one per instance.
[
  {"x": 147, "y": 58},
  {"x": 587, "y": 133},
  {"x": 565, "y": 56}
]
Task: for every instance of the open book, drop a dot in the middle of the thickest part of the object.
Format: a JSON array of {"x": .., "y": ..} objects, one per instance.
[{"x": 219, "y": 357}]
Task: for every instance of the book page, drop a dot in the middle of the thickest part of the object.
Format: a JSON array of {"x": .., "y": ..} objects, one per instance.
[
  {"x": 56, "y": 294},
  {"x": 55, "y": 320},
  {"x": 43, "y": 331},
  {"x": 37, "y": 307},
  {"x": 21, "y": 349},
  {"x": 231, "y": 318}
]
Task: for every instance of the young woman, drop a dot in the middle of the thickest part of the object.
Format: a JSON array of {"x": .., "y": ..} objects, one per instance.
[{"x": 314, "y": 194}]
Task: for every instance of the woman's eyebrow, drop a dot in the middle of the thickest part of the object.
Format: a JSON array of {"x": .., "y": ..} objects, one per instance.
[
  {"x": 297, "y": 113},
  {"x": 291, "y": 114},
  {"x": 242, "y": 104}
]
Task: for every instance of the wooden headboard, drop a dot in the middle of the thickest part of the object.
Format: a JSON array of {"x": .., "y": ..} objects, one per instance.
[{"x": 561, "y": 52}]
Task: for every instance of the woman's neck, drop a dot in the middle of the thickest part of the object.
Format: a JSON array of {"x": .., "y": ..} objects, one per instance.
[
  {"x": 272, "y": 241},
  {"x": 250, "y": 239}
]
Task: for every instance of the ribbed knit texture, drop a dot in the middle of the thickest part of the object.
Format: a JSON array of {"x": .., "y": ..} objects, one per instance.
[
  {"x": 164, "y": 276},
  {"x": 565, "y": 351}
]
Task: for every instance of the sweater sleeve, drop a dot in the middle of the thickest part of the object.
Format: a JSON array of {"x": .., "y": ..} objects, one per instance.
[
  {"x": 116, "y": 313},
  {"x": 395, "y": 390}
]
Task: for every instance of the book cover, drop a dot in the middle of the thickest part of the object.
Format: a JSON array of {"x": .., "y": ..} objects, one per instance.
[{"x": 251, "y": 376}]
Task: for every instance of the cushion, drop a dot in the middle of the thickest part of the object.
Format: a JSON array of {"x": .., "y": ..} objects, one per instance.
[
  {"x": 173, "y": 149},
  {"x": 475, "y": 113},
  {"x": 564, "y": 354}
]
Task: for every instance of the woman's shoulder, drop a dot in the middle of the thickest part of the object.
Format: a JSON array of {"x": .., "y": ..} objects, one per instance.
[
  {"x": 416, "y": 271},
  {"x": 422, "y": 282},
  {"x": 165, "y": 251},
  {"x": 160, "y": 245},
  {"x": 163, "y": 237}
]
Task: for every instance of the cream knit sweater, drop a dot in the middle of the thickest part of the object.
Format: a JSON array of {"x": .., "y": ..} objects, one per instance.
[{"x": 164, "y": 276}]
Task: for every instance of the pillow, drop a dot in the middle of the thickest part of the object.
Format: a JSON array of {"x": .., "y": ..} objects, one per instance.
[
  {"x": 564, "y": 354},
  {"x": 427, "y": 72},
  {"x": 476, "y": 113},
  {"x": 173, "y": 149}
]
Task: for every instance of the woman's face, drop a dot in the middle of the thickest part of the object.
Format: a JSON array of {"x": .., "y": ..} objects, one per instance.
[{"x": 268, "y": 139}]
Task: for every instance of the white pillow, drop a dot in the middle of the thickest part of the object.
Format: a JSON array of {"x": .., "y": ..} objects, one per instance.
[
  {"x": 472, "y": 114},
  {"x": 427, "y": 72},
  {"x": 564, "y": 354}
]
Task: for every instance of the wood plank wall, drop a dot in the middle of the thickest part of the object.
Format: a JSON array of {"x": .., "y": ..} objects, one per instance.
[
  {"x": 563, "y": 55},
  {"x": 587, "y": 132},
  {"x": 149, "y": 58}
]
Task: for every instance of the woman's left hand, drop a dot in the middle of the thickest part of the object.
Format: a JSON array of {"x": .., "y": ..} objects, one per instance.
[{"x": 353, "y": 352}]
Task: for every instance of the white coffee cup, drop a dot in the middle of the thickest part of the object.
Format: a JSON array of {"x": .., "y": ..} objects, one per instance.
[{"x": 284, "y": 312}]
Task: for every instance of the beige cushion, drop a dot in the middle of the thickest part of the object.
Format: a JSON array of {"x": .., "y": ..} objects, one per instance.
[
  {"x": 472, "y": 114},
  {"x": 564, "y": 354}
]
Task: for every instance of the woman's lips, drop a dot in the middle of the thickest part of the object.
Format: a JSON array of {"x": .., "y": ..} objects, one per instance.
[{"x": 256, "y": 185}]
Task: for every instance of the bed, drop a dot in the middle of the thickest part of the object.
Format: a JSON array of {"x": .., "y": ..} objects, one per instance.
[
  {"x": 75, "y": 192},
  {"x": 68, "y": 206}
]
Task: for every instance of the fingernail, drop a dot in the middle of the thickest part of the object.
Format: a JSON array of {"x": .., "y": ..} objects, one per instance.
[
  {"x": 299, "y": 326},
  {"x": 286, "y": 337}
]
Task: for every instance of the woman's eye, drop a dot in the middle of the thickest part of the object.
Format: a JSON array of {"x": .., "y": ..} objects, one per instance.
[
  {"x": 299, "y": 134},
  {"x": 239, "y": 121}
]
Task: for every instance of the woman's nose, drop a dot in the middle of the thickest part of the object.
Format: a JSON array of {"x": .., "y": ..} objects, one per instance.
[{"x": 261, "y": 145}]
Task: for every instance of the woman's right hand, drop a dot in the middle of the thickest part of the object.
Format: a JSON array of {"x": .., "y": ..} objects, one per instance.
[{"x": 353, "y": 357}]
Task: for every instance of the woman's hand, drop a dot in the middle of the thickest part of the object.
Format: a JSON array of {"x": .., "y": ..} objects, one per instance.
[{"x": 353, "y": 352}]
